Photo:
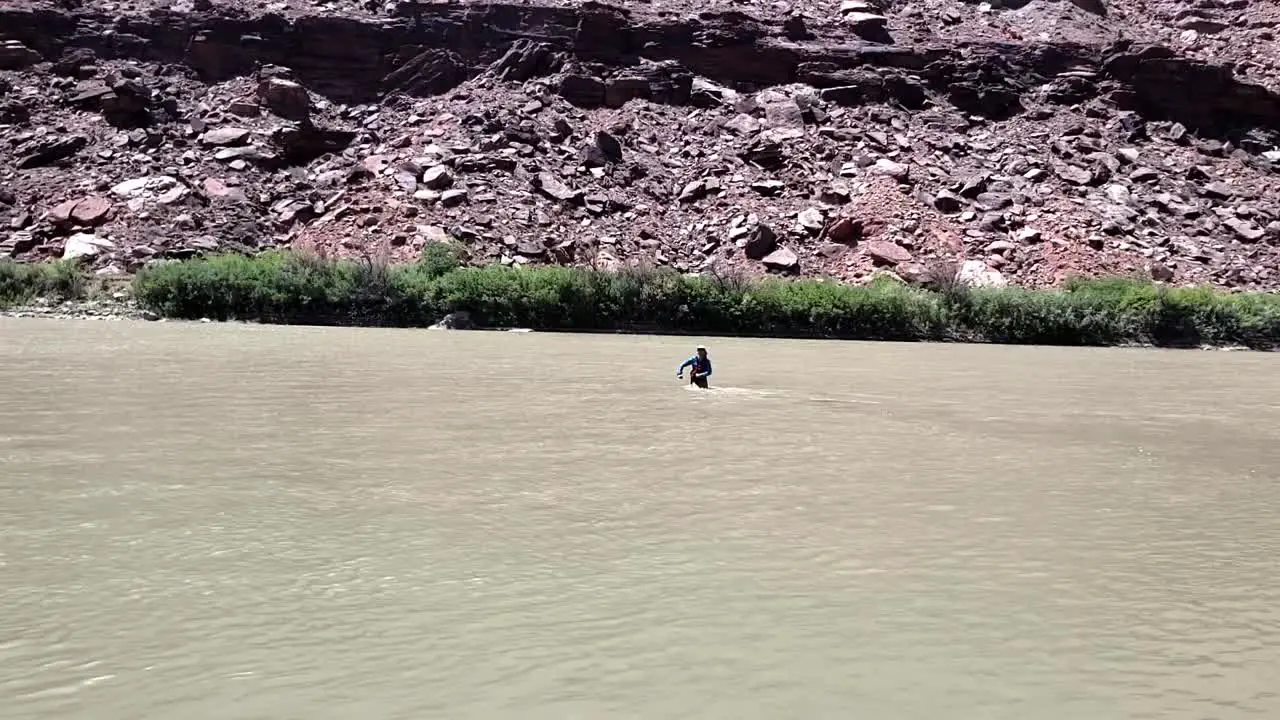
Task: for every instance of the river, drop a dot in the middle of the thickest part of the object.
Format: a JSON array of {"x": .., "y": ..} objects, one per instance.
[{"x": 238, "y": 522}]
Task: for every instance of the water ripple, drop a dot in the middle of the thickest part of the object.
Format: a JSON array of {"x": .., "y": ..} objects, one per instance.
[{"x": 241, "y": 522}]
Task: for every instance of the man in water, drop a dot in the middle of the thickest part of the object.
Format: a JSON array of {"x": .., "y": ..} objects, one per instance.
[{"x": 699, "y": 368}]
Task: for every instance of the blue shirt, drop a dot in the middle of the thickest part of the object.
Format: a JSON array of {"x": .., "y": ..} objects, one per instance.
[{"x": 701, "y": 366}]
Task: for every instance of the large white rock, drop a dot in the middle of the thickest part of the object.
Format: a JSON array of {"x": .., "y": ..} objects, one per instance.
[
  {"x": 865, "y": 20},
  {"x": 144, "y": 186},
  {"x": 975, "y": 273},
  {"x": 85, "y": 245}
]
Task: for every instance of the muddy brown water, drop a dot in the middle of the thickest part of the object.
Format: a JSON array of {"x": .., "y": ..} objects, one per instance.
[{"x": 239, "y": 522}]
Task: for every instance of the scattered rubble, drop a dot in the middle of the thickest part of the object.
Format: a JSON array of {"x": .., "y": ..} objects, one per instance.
[{"x": 1024, "y": 146}]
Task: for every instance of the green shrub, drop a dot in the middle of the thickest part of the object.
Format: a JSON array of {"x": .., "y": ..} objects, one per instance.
[
  {"x": 1042, "y": 317},
  {"x": 21, "y": 282},
  {"x": 439, "y": 258},
  {"x": 1185, "y": 316}
]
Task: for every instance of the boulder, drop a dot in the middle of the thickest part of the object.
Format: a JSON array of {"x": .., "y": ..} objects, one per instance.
[
  {"x": 1144, "y": 174},
  {"x": 91, "y": 211},
  {"x": 244, "y": 152},
  {"x": 245, "y": 108},
  {"x": 49, "y": 150},
  {"x": 582, "y": 90},
  {"x": 760, "y": 243},
  {"x": 693, "y": 191},
  {"x": 127, "y": 104},
  {"x": 1119, "y": 194},
  {"x": 914, "y": 273},
  {"x": 763, "y": 152},
  {"x": 301, "y": 143},
  {"x": 836, "y": 194},
  {"x": 858, "y": 16},
  {"x": 1218, "y": 191},
  {"x": 17, "y": 244},
  {"x": 454, "y": 197},
  {"x": 225, "y": 136},
  {"x": 782, "y": 259},
  {"x": 76, "y": 62},
  {"x": 285, "y": 98},
  {"x": 976, "y": 274},
  {"x": 973, "y": 186},
  {"x": 992, "y": 201},
  {"x": 706, "y": 94},
  {"x": 948, "y": 203},
  {"x": 1245, "y": 230},
  {"x": 868, "y": 26},
  {"x": 846, "y": 231},
  {"x": 406, "y": 181},
  {"x": 864, "y": 6},
  {"x": 1204, "y": 26},
  {"x": 1160, "y": 272},
  {"x": 202, "y": 244},
  {"x": 896, "y": 170},
  {"x": 437, "y": 178},
  {"x": 144, "y": 188},
  {"x": 61, "y": 213},
  {"x": 742, "y": 124},
  {"x": 1028, "y": 235},
  {"x": 552, "y": 187},
  {"x": 780, "y": 109},
  {"x": 1128, "y": 156},
  {"x": 1073, "y": 174},
  {"x": 460, "y": 320},
  {"x": 16, "y": 56},
  {"x": 887, "y": 253},
  {"x": 608, "y": 149},
  {"x": 524, "y": 60},
  {"x": 172, "y": 195},
  {"x": 768, "y": 188},
  {"x": 530, "y": 247},
  {"x": 138, "y": 187},
  {"x": 811, "y": 221},
  {"x": 832, "y": 250},
  {"x": 85, "y": 245}
]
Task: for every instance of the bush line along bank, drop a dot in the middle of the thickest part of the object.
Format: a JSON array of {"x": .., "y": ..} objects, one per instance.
[
  {"x": 291, "y": 288},
  {"x": 285, "y": 288}
]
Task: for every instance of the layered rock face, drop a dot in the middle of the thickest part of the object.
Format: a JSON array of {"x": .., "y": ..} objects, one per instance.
[{"x": 1025, "y": 141}]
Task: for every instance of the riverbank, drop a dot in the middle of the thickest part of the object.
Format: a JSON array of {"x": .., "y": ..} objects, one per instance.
[
  {"x": 292, "y": 289},
  {"x": 101, "y": 308},
  {"x": 63, "y": 291}
]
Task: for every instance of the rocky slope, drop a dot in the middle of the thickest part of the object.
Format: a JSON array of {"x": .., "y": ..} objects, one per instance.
[{"x": 1033, "y": 139}]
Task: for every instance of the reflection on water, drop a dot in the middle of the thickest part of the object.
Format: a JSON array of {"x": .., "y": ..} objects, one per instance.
[{"x": 206, "y": 521}]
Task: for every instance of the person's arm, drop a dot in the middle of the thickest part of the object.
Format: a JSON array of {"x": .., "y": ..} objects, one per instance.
[
  {"x": 680, "y": 370},
  {"x": 708, "y": 372}
]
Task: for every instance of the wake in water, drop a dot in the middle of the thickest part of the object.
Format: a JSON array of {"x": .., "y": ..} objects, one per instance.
[
  {"x": 722, "y": 392},
  {"x": 855, "y": 400},
  {"x": 742, "y": 392},
  {"x": 745, "y": 393}
]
